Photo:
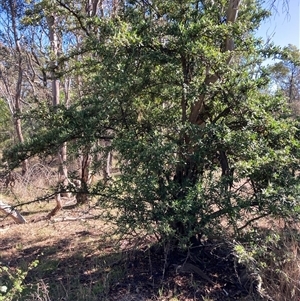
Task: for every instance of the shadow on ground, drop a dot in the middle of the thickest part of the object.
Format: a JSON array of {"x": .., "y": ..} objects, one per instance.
[{"x": 93, "y": 270}]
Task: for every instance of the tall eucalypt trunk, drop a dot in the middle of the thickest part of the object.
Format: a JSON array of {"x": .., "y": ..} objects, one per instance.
[
  {"x": 18, "y": 88},
  {"x": 62, "y": 153},
  {"x": 188, "y": 172}
]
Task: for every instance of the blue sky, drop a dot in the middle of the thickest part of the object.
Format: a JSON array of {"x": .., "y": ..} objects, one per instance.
[{"x": 283, "y": 27}]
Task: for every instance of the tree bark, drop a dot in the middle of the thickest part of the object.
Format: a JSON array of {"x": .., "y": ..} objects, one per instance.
[
  {"x": 17, "y": 96},
  {"x": 12, "y": 212},
  {"x": 62, "y": 153},
  {"x": 85, "y": 162}
]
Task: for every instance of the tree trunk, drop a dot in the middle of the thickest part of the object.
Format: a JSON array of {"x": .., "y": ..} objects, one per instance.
[
  {"x": 85, "y": 177},
  {"x": 11, "y": 212},
  {"x": 17, "y": 96},
  {"x": 62, "y": 154},
  {"x": 86, "y": 158},
  {"x": 188, "y": 171},
  {"x": 107, "y": 166}
]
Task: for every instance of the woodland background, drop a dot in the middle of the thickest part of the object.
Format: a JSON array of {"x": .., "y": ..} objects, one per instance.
[{"x": 150, "y": 149}]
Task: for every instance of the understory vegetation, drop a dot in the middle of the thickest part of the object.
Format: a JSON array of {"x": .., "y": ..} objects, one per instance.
[
  {"x": 169, "y": 145},
  {"x": 77, "y": 256}
]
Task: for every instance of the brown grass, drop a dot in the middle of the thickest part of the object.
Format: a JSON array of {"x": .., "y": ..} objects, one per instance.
[
  {"x": 281, "y": 275},
  {"x": 81, "y": 259},
  {"x": 73, "y": 255}
]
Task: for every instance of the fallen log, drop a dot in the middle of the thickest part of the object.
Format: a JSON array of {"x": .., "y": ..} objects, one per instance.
[{"x": 12, "y": 212}]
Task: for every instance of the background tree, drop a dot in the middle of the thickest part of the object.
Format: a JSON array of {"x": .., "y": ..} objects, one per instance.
[
  {"x": 11, "y": 11},
  {"x": 285, "y": 76},
  {"x": 78, "y": 54},
  {"x": 23, "y": 78}
]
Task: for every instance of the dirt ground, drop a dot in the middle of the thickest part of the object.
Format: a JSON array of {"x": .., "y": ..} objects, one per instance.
[{"x": 80, "y": 258}]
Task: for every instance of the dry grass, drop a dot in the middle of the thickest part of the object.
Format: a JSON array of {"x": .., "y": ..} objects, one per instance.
[
  {"x": 281, "y": 275},
  {"x": 80, "y": 258},
  {"x": 74, "y": 257},
  {"x": 36, "y": 183}
]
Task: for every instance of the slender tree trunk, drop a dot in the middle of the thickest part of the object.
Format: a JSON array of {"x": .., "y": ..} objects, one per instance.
[
  {"x": 17, "y": 96},
  {"x": 85, "y": 177},
  {"x": 62, "y": 153},
  {"x": 291, "y": 86},
  {"x": 107, "y": 166}
]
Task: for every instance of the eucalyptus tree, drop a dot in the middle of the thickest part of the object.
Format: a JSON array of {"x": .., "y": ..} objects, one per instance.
[
  {"x": 66, "y": 24},
  {"x": 82, "y": 12},
  {"x": 31, "y": 44},
  {"x": 285, "y": 75},
  {"x": 12, "y": 87},
  {"x": 23, "y": 78}
]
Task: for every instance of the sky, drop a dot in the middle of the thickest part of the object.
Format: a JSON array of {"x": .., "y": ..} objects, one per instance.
[{"x": 283, "y": 27}]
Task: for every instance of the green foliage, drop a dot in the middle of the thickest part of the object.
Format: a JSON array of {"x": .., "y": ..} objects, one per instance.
[
  {"x": 199, "y": 142},
  {"x": 272, "y": 261},
  {"x": 12, "y": 281},
  {"x": 285, "y": 74},
  {"x": 5, "y": 123}
]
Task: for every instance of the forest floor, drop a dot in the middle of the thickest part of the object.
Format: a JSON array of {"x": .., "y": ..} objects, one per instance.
[{"x": 80, "y": 259}]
